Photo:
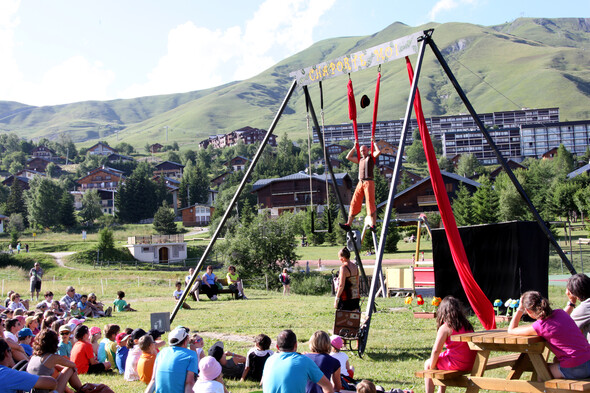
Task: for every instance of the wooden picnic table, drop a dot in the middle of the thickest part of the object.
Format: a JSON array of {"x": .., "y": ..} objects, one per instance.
[{"x": 528, "y": 354}]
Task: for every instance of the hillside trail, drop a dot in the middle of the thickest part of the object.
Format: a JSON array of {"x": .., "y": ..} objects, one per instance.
[{"x": 60, "y": 256}]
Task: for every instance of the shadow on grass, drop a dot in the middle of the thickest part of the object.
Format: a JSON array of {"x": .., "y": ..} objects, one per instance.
[{"x": 422, "y": 353}]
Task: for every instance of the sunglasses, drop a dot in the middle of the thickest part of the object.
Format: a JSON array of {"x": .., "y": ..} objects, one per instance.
[
  {"x": 199, "y": 340},
  {"x": 65, "y": 333}
]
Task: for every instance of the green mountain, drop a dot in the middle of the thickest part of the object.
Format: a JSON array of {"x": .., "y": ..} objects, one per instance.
[{"x": 529, "y": 62}]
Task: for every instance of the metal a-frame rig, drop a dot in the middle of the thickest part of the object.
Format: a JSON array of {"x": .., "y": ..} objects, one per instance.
[{"x": 371, "y": 57}]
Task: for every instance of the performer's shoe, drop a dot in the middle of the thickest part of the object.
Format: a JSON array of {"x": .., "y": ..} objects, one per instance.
[
  {"x": 373, "y": 228},
  {"x": 346, "y": 227}
]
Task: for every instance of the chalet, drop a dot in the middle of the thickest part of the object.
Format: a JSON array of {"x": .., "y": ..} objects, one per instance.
[
  {"x": 197, "y": 215},
  {"x": 336, "y": 163},
  {"x": 455, "y": 159},
  {"x": 155, "y": 148},
  {"x": 104, "y": 178},
  {"x": 549, "y": 154},
  {"x": 236, "y": 164},
  {"x": 419, "y": 198},
  {"x": 386, "y": 148},
  {"x": 43, "y": 152},
  {"x": 169, "y": 169},
  {"x": 387, "y": 173},
  {"x": 579, "y": 171},
  {"x": 219, "y": 179},
  {"x": 293, "y": 192},
  {"x": 513, "y": 165},
  {"x": 39, "y": 164},
  {"x": 116, "y": 157},
  {"x": 212, "y": 197},
  {"x": 3, "y": 219},
  {"x": 336, "y": 150},
  {"x": 29, "y": 173},
  {"x": 23, "y": 181},
  {"x": 101, "y": 149},
  {"x": 158, "y": 248},
  {"x": 385, "y": 159}
]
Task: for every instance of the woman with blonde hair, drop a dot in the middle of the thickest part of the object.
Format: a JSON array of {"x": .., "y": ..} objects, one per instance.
[{"x": 319, "y": 345}]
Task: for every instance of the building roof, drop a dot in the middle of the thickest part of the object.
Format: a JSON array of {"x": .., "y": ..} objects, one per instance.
[
  {"x": 176, "y": 164},
  {"x": 299, "y": 176},
  {"x": 579, "y": 171},
  {"x": 444, "y": 174},
  {"x": 106, "y": 169},
  {"x": 3, "y": 217}
]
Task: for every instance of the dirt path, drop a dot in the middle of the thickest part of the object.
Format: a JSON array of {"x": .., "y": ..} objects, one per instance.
[{"x": 60, "y": 256}]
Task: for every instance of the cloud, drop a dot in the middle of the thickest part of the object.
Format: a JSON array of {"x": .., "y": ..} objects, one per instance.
[
  {"x": 447, "y": 5},
  {"x": 199, "y": 58}
]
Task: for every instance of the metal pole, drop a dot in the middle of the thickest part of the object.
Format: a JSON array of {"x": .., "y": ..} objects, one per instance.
[
  {"x": 499, "y": 157},
  {"x": 392, "y": 189},
  {"x": 234, "y": 200}
]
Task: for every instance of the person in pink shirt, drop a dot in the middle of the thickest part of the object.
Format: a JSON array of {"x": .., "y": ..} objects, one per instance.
[
  {"x": 565, "y": 339},
  {"x": 450, "y": 320}
]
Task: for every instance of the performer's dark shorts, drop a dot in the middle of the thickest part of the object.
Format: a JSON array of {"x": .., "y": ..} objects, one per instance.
[{"x": 349, "y": 305}]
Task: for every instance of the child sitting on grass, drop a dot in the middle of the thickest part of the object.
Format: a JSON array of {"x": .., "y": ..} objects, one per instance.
[
  {"x": 178, "y": 293},
  {"x": 120, "y": 304},
  {"x": 84, "y": 307},
  {"x": 346, "y": 371},
  {"x": 25, "y": 337},
  {"x": 122, "y": 349},
  {"x": 64, "y": 347},
  {"x": 450, "y": 320},
  {"x": 75, "y": 311},
  {"x": 256, "y": 358},
  {"x": 210, "y": 377},
  {"x": 145, "y": 365}
]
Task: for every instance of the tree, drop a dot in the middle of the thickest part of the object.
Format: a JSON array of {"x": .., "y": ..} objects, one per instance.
[
  {"x": 106, "y": 243},
  {"x": 194, "y": 186},
  {"x": 164, "y": 220},
  {"x": 445, "y": 164},
  {"x": 91, "y": 207},
  {"x": 15, "y": 202},
  {"x": 137, "y": 199},
  {"x": 563, "y": 162},
  {"x": 511, "y": 204},
  {"x": 66, "y": 214},
  {"x": 41, "y": 201},
  {"x": 468, "y": 165},
  {"x": 16, "y": 223},
  {"x": 415, "y": 153},
  {"x": 485, "y": 203},
  {"x": 462, "y": 207}
]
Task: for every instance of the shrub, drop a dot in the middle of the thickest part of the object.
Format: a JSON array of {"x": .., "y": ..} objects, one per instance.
[{"x": 310, "y": 284}]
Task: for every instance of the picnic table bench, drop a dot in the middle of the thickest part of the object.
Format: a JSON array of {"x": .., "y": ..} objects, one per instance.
[
  {"x": 198, "y": 286},
  {"x": 583, "y": 241},
  {"x": 526, "y": 354}
]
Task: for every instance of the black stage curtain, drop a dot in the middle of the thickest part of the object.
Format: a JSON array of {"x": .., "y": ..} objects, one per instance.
[{"x": 507, "y": 259}]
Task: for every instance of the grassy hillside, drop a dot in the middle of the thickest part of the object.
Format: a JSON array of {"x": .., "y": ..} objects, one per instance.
[{"x": 525, "y": 63}]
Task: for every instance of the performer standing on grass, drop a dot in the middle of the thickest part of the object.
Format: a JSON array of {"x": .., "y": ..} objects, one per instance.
[
  {"x": 348, "y": 295},
  {"x": 366, "y": 185}
]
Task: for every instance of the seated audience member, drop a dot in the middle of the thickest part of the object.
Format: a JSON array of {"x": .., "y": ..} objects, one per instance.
[
  {"x": 84, "y": 307},
  {"x": 256, "y": 358},
  {"x": 282, "y": 366},
  {"x": 97, "y": 307},
  {"x": 235, "y": 282},
  {"x": 366, "y": 386},
  {"x": 210, "y": 377},
  {"x": 57, "y": 309},
  {"x": 209, "y": 284},
  {"x": 15, "y": 303},
  {"x": 145, "y": 365},
  {"x": 578, "y": 288},
  {"x": 48, "y": 299},
  {"x": 120, "y": 304},
  {"x": 232, "y": 368},
  {"x": 157, "y": 336},
  {"x": 176, "y": 366},
  {"x": 47, "y": 322},
  {"x": 83, "y": 355},
  {"x": 319, "y": 345},
  {"x": 7, "y": 300},
  {"x": 64, "y": 348},
  {"x": 10, "y": 329},
  {"x": 346, "y": 371},
  {"x": 45, "y": 360},
  {"x": 25, "y": 337},
  {"x": 107, "y": 348},
  {"x": 70, "y": 297},
  {"x": 75, "y": 311},
  {"x": 122, "y": 340},
  {"x": 178, "y": 293},
  {"x": 13, "y": 380},
  {"x": 133, "y": 356},
  {"x": 196, "y": 344},
  {"x": 194, "y": 291},
  {"x": 33, "y": 324},
  {"x": 95, "y": 335}
]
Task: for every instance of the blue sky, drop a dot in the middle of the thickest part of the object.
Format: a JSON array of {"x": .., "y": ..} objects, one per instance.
[{"x": 61, "y": 51}]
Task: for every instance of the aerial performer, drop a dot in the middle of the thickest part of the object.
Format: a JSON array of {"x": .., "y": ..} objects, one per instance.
[{"x": 366, "y": 185}]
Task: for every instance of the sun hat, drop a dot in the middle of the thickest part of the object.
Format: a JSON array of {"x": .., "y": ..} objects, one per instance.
[
  {"x": 216, "y": 350},
  {"x": 138, "y": 333},
  {"x": 94, "y": 330},
  {"x": 120, "y": 337},
  {"x": 177, "y": 336},
  {"x": 64, "y": 328},
  {"x": 336, "y": 341},
  {"x": 209, "y": 368},
  {"x": 75, "y": 322},
  {"x": 25, "y": 332}
]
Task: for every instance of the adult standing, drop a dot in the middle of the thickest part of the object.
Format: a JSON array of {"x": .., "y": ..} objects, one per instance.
[
  {"x": 176, "y": 366},
  {"x": 209, "y": 284},
  {"x": 289, "y": 371},
  {"x": 13, "y": 380},
  {"x": 36, "y": 276},
  {"x": 348, "y": 295},
  {"x": 578, "y": 288}
]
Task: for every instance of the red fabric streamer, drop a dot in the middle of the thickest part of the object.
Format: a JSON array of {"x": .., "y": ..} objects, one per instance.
[
  {"x": 479, "y": 302},
  {"x": 352, "y": 116},
  {"x": 375, "y": 107}
]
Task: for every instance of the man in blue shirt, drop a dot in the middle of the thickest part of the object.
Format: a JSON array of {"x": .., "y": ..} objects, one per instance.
[
  {"x": 13, "y": 380},
  {"x": 176, "y": 366},
  {"x": 288, "y": 371}
]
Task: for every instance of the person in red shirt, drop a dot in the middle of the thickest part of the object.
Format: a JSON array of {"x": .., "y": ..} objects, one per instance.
[{"x": 83, "y": 354}]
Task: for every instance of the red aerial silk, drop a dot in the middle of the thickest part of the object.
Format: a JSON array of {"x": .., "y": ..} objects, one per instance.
[
  {"x": 479, "y": 302},
  {"x": 375, "y": 107},
  {"x": 352, "y": 116}
]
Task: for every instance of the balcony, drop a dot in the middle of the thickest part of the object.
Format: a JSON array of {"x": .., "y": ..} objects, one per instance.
[{"x": 426, "y": 200}]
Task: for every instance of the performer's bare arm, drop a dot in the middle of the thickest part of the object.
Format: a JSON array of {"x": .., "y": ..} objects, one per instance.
[
  {"x": 376, "y": 150},
  {"x": 351, "y": 155}
]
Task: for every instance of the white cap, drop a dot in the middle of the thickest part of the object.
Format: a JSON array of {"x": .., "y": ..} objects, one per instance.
[{"x": 177, "y": 335}]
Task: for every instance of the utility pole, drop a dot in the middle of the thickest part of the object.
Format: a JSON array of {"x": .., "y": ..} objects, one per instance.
[{"x": 166, "y": 127}]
